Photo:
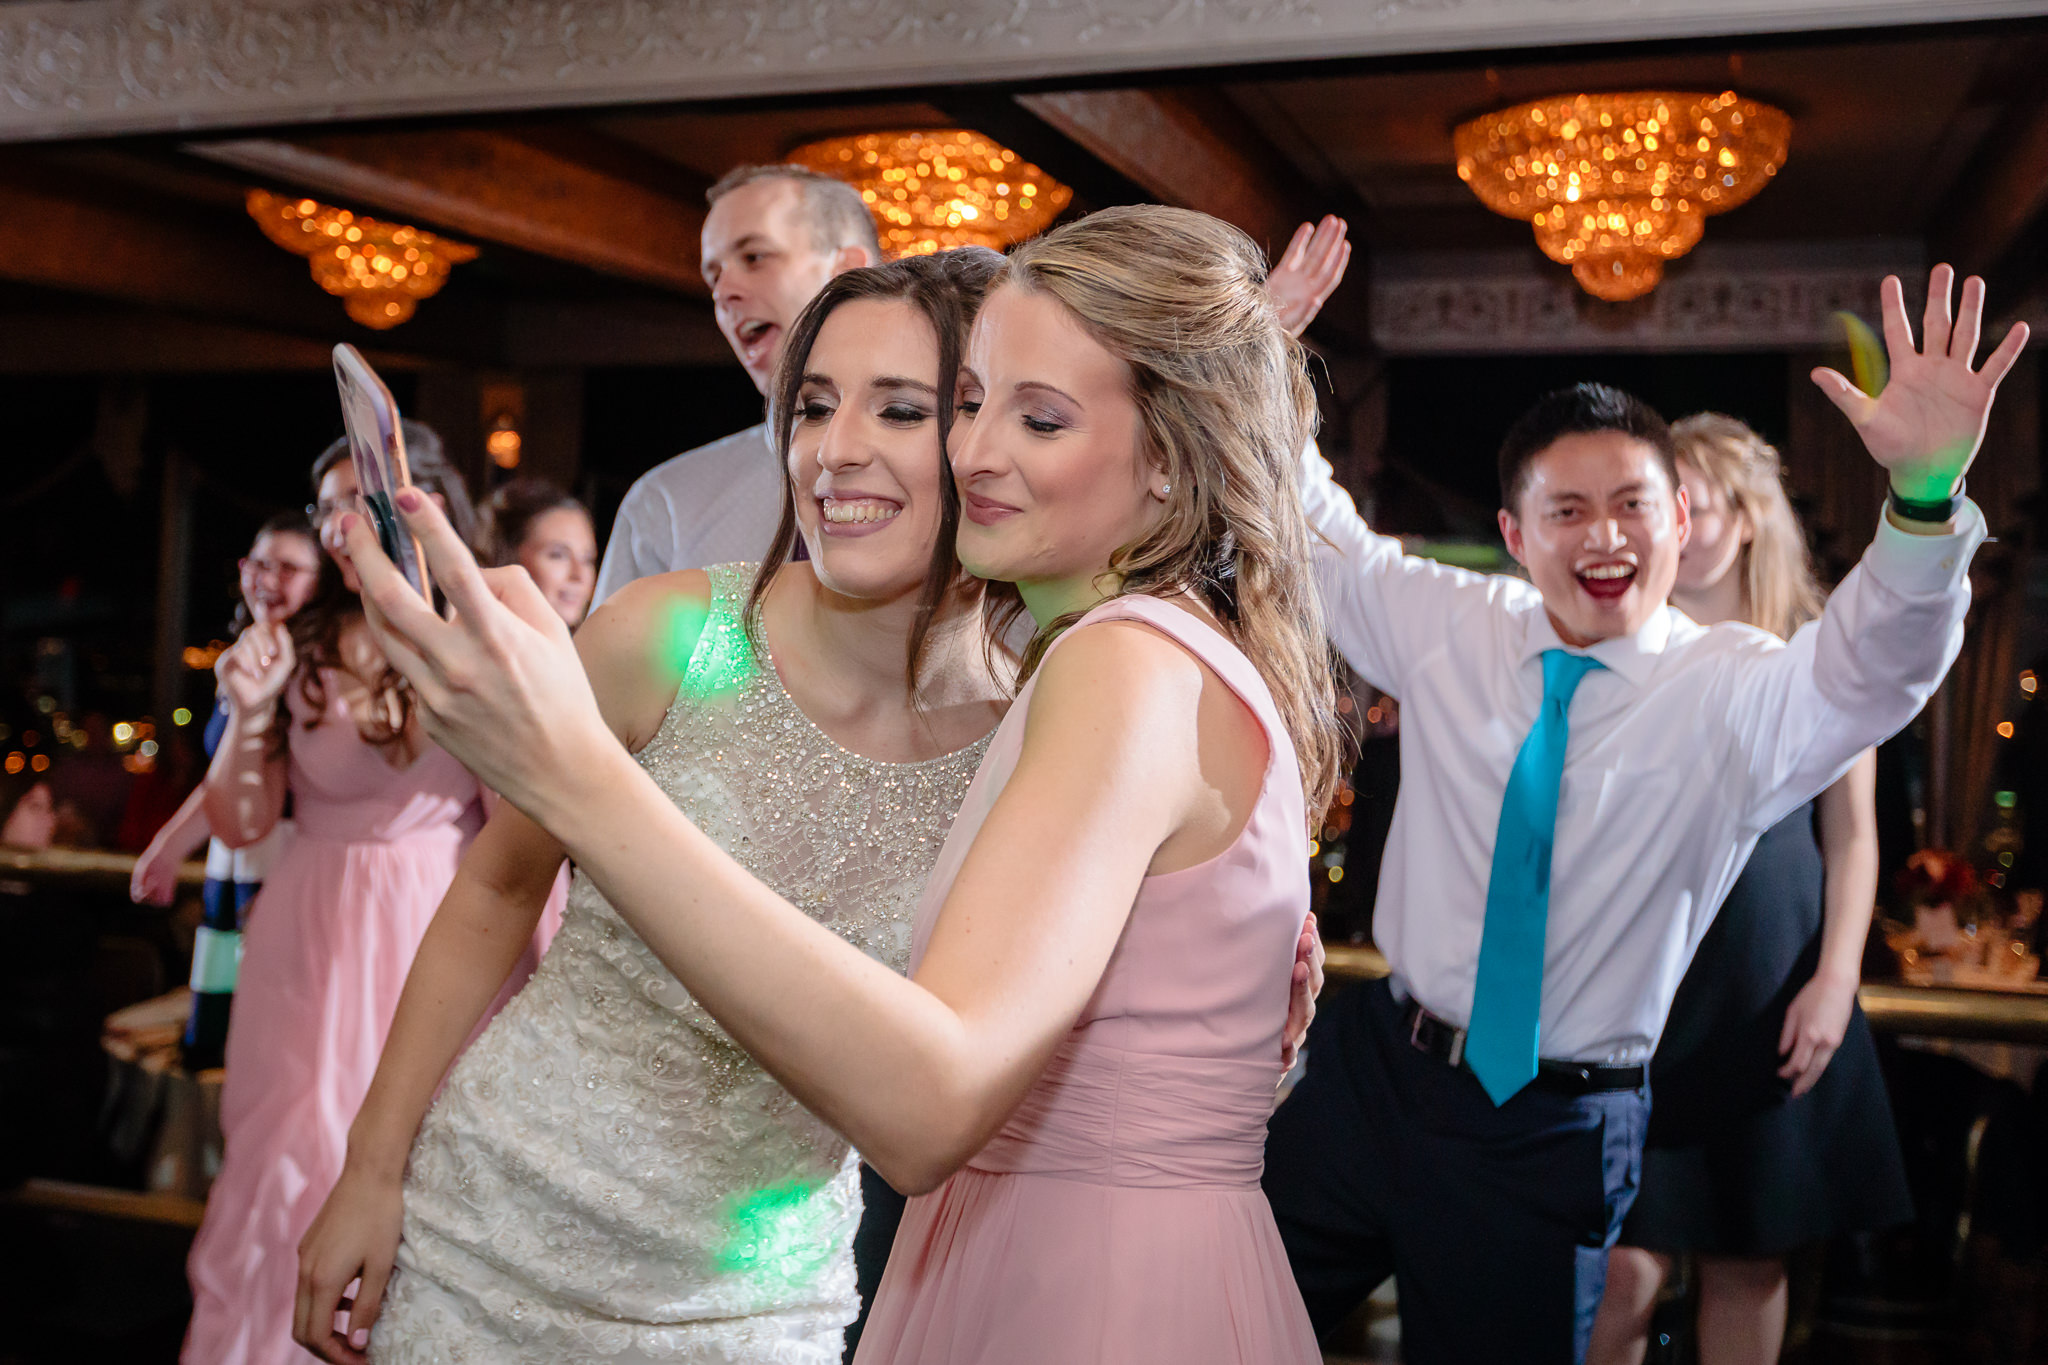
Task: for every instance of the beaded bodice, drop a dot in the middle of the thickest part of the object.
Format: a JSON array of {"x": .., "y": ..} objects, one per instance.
[
  {"x": 846, "y": 839},
  {"x": 605, "y": 1172}
]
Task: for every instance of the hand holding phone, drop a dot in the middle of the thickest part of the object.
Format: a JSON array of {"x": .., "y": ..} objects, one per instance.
[{"x": 376, "y": 445}]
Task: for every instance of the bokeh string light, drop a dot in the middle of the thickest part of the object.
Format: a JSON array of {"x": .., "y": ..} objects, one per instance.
[
  {"x": 935, "y": 189},
  {"x": 379, "y": 270},
  {"x": 1616, "y": 185}
]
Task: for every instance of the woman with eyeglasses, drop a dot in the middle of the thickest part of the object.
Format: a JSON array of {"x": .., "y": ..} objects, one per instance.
[
  {"x": 277, "y": 576},
  {"x": 318, "y": 716}
]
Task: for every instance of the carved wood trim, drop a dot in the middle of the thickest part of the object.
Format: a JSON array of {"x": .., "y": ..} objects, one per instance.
[
  {"x": 1737, "y": 307},
  {"x": 73, "y": 68}
]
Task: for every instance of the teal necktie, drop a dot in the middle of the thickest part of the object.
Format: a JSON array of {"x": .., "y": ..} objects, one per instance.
[{"x": 1500, "y": 1045}]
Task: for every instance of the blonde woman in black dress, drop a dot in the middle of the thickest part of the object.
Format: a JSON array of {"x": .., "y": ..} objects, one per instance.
[{"x": 1769, "y": 1125}]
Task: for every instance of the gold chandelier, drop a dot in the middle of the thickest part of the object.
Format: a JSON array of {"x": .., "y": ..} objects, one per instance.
[
  {"x": 934, "y": 189},
  {"x": 1616, "y": 185},
  {"x": 379, "y": 270}
]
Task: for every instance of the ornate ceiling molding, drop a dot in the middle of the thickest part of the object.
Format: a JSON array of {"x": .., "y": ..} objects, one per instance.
[
  {"x": 71, "y": 68},
  {"x": 1735, "y": 298}
]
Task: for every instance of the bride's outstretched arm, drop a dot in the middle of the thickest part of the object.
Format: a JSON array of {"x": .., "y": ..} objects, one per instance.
[
  {"x": 918, "y": 1073},
  {"x": 483, "y": 923}
]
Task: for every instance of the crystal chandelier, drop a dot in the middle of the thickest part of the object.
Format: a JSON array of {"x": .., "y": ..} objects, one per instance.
[
  {"x": 1616, "y": 185},
  {"x": 939, "y": 188},
  {"x": 379, "y": 270}
]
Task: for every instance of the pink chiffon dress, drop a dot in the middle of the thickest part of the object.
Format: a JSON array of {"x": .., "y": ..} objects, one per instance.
[
  {"x": 325, "y": 954},
  {"x": 1117, "y": 1218}
]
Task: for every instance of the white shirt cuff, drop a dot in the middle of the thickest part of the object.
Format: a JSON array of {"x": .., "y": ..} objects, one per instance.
[{"x": 1925, "y": 566}]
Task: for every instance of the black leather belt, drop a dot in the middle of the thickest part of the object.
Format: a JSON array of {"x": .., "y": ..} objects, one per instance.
[{"x": 1446, "y": 1042}]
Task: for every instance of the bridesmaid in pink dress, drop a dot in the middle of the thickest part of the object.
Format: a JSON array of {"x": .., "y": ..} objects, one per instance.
[
  {"x": 1117, "y": 1216},
  {"x": 1074, "y": 1081},
  {"x": 330, "y": 939},
  {"x": 383, "y": 817}
]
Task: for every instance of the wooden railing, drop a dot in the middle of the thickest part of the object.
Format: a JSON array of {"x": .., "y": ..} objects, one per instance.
[
  {"x": 1924, "y": 1010},
  {"x": 82, "y": 867}
]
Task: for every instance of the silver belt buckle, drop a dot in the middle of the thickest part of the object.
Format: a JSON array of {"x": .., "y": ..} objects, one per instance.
[{"x": 1415, "y": 1035}]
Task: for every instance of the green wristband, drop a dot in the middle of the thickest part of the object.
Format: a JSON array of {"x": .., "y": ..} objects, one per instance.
[{"x": 1936, "y": 512}]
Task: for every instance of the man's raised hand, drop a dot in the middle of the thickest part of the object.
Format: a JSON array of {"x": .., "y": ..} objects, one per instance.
[
  {"x": 1927, "y": 424},
  {"x": 1302, "y": 280}
]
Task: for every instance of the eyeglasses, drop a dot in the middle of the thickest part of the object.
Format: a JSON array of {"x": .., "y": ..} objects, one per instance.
[
  {"x": 327, "y": 509},
  {"x": 285, "y": 573}
]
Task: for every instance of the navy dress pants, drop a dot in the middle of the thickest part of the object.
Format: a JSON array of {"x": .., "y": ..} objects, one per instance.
[
  {"x": 881, "y": 1209},
  {"x": 1495, "y": 1222}
]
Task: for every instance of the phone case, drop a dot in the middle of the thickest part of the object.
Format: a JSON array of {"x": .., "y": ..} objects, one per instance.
[{"x": 376, "y": 445}]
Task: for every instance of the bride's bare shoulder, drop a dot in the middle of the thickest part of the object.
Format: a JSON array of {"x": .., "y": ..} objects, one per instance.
[{"x": 636, "y": 646}]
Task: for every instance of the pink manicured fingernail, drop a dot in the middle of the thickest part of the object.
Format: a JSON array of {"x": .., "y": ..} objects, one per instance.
[{"x": 409, "y": 499}]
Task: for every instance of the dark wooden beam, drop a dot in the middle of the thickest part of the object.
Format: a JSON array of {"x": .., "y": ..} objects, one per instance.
[
  {"x": 540, "y": 194},
  {"x": 1999, "y": 207},
  {"x": 622, "y": 332},
  {"x": 83, "y": 244},
  {"x": 1195, "y": 149},
  {"x": 80, "y": 236},
  {"x": 51, "y": 341},
  {"x": 1188, "y": 148}
]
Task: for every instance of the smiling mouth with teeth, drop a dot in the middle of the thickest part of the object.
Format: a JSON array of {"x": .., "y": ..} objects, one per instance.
[
  {"x": 854, "y": 511},
  {"x": 1607, "y": 582}
]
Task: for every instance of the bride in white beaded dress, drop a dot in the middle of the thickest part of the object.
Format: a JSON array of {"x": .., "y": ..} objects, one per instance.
[{"x": 605, "y": 1176}]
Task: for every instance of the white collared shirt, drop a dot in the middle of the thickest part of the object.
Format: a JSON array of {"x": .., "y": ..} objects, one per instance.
[
  {"x": 716, "y": 504},
  {"x": 1686, "y": 747}
]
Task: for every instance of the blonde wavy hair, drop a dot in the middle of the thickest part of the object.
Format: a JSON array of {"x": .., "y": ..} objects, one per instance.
[
  {"x": 1779, "y": 590},
  {"x": 1224, "y": 398}
]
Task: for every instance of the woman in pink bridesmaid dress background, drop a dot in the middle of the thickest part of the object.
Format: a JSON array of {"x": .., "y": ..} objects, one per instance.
[{"x": 383, "y": 816}]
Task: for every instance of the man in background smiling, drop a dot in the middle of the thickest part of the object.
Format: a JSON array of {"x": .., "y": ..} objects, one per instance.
[
  {"x": 1584, "y": 772},
  {"x": 774, "y": 236}
]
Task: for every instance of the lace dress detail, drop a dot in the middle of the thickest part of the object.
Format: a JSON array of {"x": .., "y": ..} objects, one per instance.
[{"x": 606, "y": 1176}]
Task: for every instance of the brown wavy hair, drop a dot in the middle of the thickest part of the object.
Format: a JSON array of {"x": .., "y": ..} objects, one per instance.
[
  {"x": 1779, "y": 590},
  {"x": 510, "y": 512},
  {"x": 947, "y": 289},
  {"x": 316, "y": 629},
  {"x": 1225, "y": 403}
]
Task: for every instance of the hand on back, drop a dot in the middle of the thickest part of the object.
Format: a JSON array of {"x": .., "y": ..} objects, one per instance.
[{"x": 1305, "y": 985}]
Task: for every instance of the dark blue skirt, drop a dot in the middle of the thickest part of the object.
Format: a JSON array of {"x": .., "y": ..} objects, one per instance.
[{"x": 1734, "y": 1165}]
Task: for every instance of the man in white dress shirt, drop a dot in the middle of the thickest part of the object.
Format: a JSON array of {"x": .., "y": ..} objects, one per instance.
[
  {"x": 774, "y": 235},
  {"x": 1584, "y": 772}
]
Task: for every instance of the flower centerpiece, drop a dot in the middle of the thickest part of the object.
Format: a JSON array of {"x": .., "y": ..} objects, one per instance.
[{"x": 1955, "y": 933}]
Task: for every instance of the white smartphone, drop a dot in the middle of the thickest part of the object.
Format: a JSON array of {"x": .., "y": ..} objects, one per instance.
[{"x": 376, "y": 446}]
